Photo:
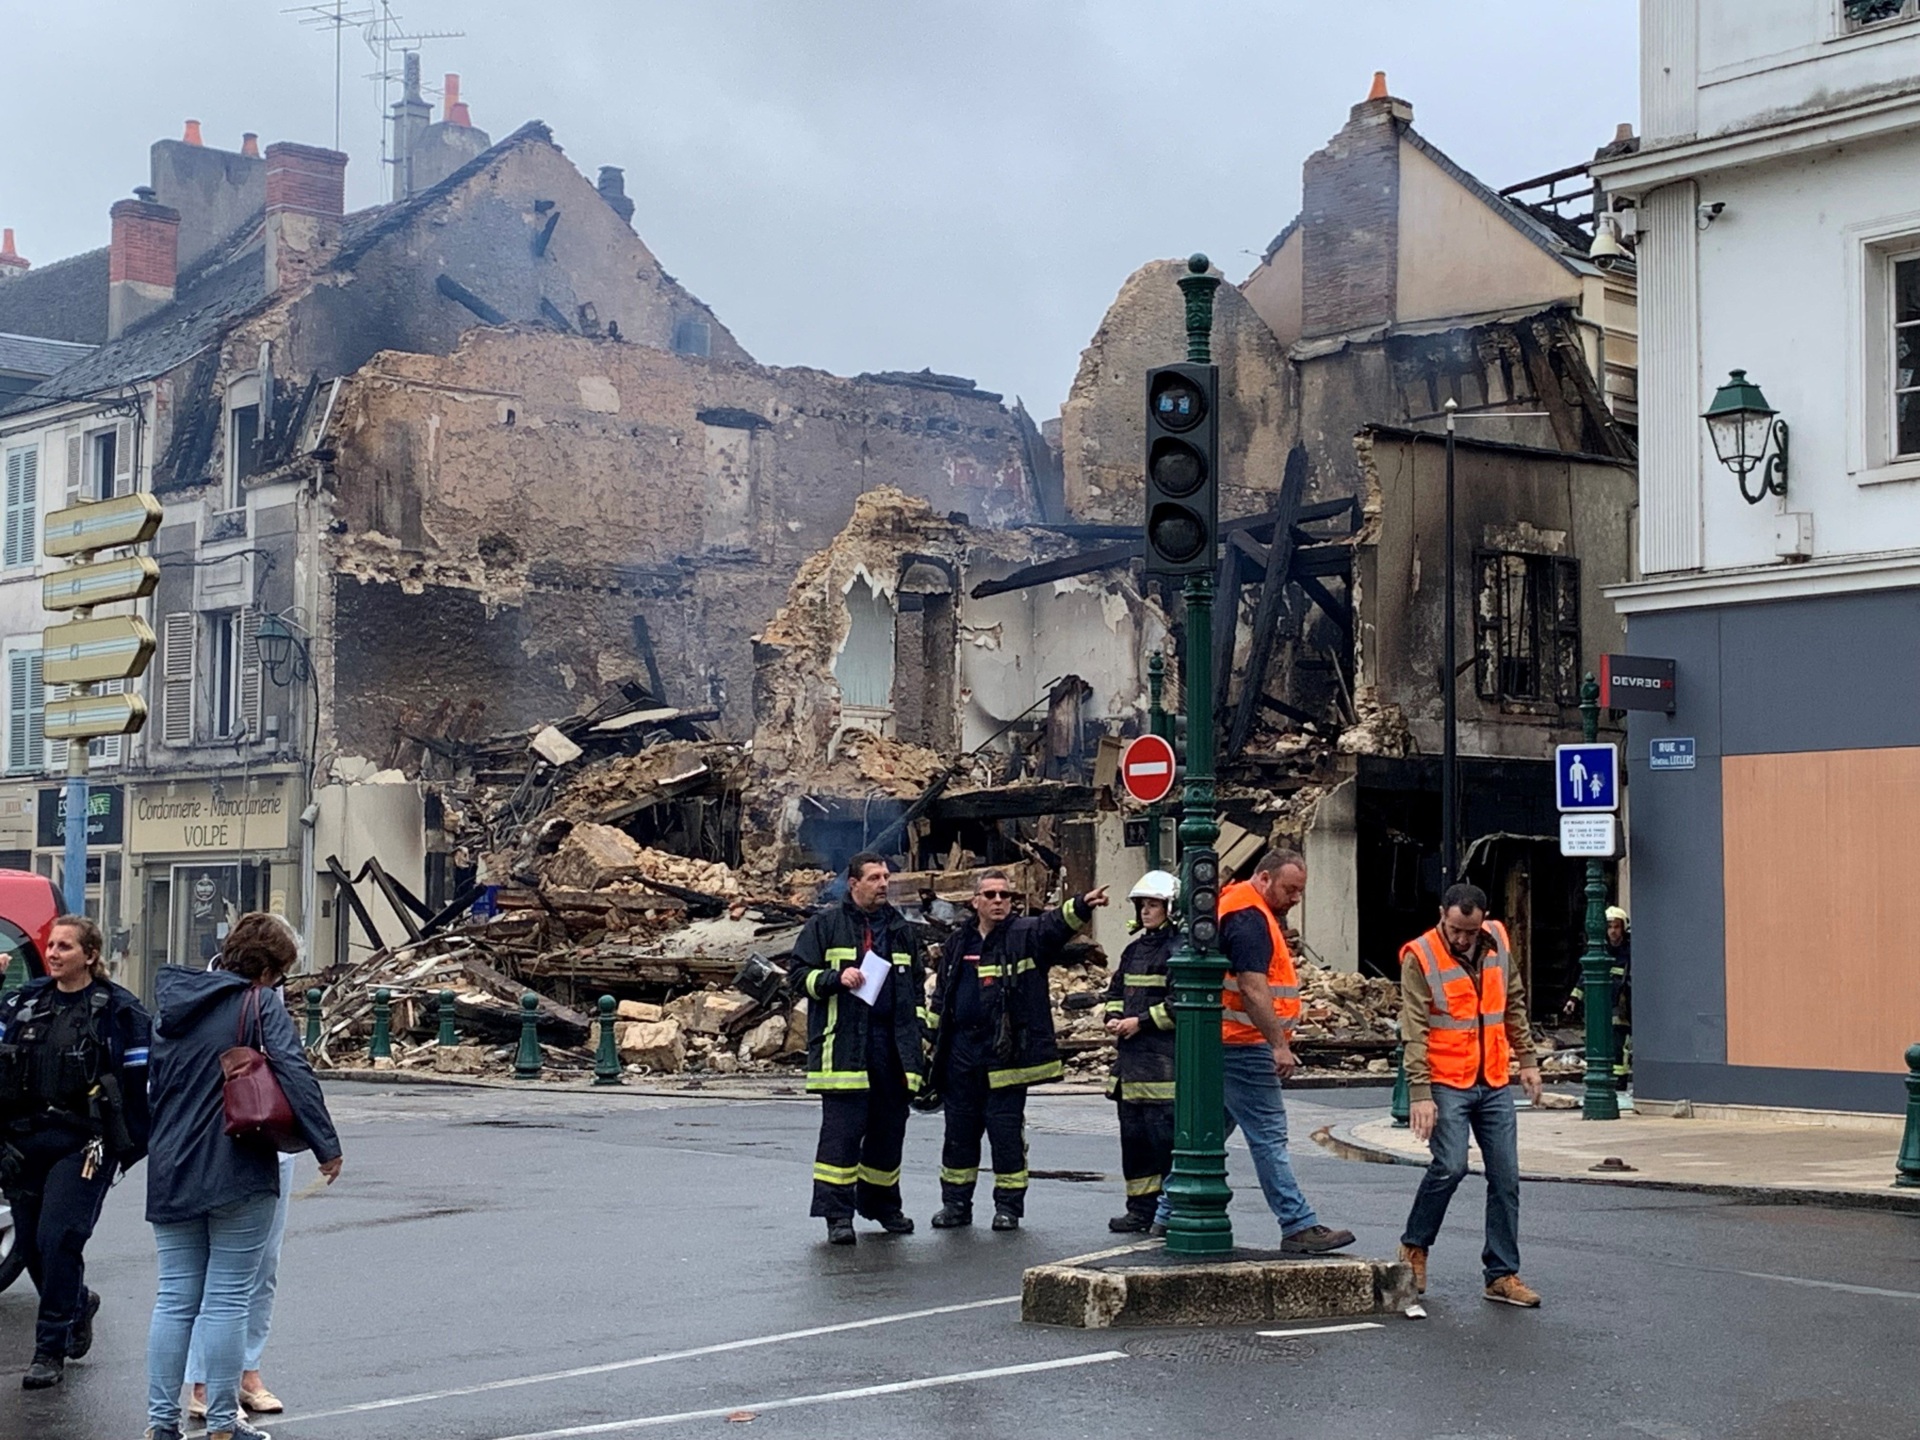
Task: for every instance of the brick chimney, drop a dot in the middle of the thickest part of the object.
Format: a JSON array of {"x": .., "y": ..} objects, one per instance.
[
  {"x": 613, "y": 190},
  {"x": 142, "y": 259},
  {"x": 411, "y": 116},
  {"x": 306, "y": 196},
  {"x": 1350, "y": 219},
  {"x": 456, "y": 107},
  {"x": 12, "y": 267}
]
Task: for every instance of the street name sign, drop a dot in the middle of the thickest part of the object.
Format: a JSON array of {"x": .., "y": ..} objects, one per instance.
[
  {"x": 101, "y": 525},
  {"x": 1587, "y": 777},
  {"x": 131, "y": 577},
  {"x": 80, "y": 652},
  {"x": 1636, "y": 682},
  {"x": 1146, "y": 769},
  {"x": 1591, "y": 836},
  {"x": 88, "y": 717},
  {"x": 1672, "y": 754}
]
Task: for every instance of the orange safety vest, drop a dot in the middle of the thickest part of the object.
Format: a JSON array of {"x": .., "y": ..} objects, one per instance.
[
  {"x": 1281, "y": 978},
  {"x": 1466, "y": 1028}
]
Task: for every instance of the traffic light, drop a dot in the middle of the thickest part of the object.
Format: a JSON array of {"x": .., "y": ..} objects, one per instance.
[
  {"x": 1183, "y": 483},
  {"x": 1202, "y": 891}
]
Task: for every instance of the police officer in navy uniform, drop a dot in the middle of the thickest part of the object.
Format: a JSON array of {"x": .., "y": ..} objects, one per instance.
[{"x": 73, "y": 1116}]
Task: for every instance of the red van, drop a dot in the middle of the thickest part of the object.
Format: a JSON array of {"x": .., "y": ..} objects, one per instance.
[{"x": 28, "y": 905}]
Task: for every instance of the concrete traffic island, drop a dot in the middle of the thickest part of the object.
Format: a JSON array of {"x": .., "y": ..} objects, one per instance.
[{"x": 1144, "y": 1285}]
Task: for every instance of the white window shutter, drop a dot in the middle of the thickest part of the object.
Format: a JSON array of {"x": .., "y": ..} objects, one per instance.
[
  {"x": 76, "y": 468},
  {"x": 16, "y": 465},
  {"x": 249, "y": 662},
  {"x": 18, "y": 707},
  {"x": 109, "y": 749},
  {"x": 21, "y": 497},
  {"x": 176, "y": 678},
  {"x": 29, "y": 505},
  {"x": 39, "y": 756},
  {"x": 56, "y": 750},
  {"x": 123, "y": 458}
]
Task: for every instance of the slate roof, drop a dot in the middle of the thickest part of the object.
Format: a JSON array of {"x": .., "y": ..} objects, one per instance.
[
  {"x": 66, "y": 300},
  {"x": 30, "y": 355}
]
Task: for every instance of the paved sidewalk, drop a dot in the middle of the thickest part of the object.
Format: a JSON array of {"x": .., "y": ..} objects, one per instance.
[{"x": 1843, "y": 1163}]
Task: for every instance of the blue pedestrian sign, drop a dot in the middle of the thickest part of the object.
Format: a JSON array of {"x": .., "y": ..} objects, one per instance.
[{"x": 1588, "y": 776}]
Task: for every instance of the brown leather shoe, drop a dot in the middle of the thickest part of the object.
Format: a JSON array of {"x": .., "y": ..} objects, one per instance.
[
  {"x": 1512, "y": 1290},
  {"x": 1415, "y": 1256}
]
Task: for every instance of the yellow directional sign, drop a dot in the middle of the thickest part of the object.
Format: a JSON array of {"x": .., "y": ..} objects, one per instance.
[
  {"x": 83, "y": 651},
  {"x": 87, "y": 717},
  {"x": 132, "y": 577},
  {"x": 101, "y": 525}
]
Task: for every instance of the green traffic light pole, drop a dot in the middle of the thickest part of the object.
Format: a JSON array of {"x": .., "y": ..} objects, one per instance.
[
  {"x": 1156, "y": 725},
  {"x": 1197, "y": 1188},
  {"x": 1602, "y": 1101}
]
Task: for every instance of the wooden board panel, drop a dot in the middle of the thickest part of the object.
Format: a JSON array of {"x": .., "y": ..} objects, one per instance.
[{"x": 1822, "y": 857}]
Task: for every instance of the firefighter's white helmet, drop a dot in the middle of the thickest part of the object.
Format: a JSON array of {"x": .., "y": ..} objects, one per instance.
[{"x": 1155, "y": 885}]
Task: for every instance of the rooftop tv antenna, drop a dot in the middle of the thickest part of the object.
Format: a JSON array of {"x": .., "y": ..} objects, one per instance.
[
  {"x": 338, "y": 17},
  {"x": 385, "y": 36}
]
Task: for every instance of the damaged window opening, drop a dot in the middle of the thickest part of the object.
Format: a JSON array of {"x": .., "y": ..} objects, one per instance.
[
  {"x": 243, "y": 450},
  {"x": 1527, "y": 629},
  {"x": 692, "y": 337},
  {"x": 864, "y": 668}
]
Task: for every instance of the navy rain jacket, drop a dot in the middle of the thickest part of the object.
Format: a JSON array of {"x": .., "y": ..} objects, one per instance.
[{"x": 192, "y": 1165}]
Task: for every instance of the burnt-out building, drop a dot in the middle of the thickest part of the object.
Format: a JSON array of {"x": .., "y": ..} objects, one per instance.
[
  {"x": 1405, "y": 291},
  {"x": 451, "y": 466}
]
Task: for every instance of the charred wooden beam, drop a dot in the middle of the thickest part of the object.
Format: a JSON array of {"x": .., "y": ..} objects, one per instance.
[
  {"x": 461, "y": 295},
  {"x": 1273, "y": 595}
]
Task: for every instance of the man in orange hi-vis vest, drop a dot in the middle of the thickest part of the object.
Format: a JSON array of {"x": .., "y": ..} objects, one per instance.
[
  {"x": 1259, "y": 1007},
  {"x": 1463, "y": 1020}
]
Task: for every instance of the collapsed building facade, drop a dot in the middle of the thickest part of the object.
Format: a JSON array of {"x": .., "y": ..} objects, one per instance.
[
  {"x": 434, "y": 471},
  {"x": 1404, "y": 286}
]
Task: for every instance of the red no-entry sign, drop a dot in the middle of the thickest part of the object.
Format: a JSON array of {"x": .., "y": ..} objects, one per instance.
[{"x": 1146, "y": 769}]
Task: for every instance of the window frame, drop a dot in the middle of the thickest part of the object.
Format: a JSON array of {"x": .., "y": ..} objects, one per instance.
[
  {"x": 1846, "y": 26},
  {"x": 1872, "y": 424},
  {"x": 101, "y": 467},
  {"x": 1556, "y": 637}
]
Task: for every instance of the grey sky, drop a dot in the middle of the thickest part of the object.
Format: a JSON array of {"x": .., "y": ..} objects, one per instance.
[{"x": 851, "y": 184}]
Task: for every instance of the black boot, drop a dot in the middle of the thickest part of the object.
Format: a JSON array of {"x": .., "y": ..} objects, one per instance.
[
  {"x": 80, "y": 1338},
  {"x": 953, "y": 1216},
  {"x": 45, "y": 1372},
  {"x": 840, "y": 1232},
  {"x": 898, "y": 1223},
  {"x": 1005, "y": 1220},
  {"x": 1129, "y": 1224}
]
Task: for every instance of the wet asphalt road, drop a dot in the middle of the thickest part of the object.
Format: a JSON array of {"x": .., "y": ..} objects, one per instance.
[{"x": 483, "y": 1242}]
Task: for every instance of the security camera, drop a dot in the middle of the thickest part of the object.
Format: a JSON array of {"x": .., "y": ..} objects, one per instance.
[{"x": 1711, "y": 212}]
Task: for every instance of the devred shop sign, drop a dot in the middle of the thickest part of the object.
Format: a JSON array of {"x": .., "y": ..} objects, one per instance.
[
  {"x": 1147, "y": 769},
  {"x": 1636, "y": 682}
]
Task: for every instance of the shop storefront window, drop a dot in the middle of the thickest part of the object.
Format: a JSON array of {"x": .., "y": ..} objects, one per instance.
[{"x": 205, "y": 899}]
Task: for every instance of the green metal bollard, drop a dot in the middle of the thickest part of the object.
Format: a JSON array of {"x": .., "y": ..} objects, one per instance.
[
  {"x": 313, "y": 1018},
  {"x": 449, "y": 1037},
  {"x": 381, "y": 1046},
  {"x": 606, "y": 1058},
  {"x": 1602, "y": 1099},
  {"x": 526, "y": 1065},
  {"x": 1907, "y": 1167},
  {"x": 1402, "y": 1091}
]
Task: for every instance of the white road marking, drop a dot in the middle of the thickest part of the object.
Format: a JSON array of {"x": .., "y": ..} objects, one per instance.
[
  {"x": 1830, "y": 1285},
  {"x": 611, "y": 1366},
  {"x": 1324, "y": 1329},
  {"x": 757, "y": 1407}
]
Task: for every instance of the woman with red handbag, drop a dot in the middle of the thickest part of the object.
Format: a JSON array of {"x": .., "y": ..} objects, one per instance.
[{"x": 229, "y": 1089}]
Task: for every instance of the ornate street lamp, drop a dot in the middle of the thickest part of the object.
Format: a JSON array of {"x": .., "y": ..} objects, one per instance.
[
  {"x": 283, "y": 654},
  {"x": 1744, "y": 427}
]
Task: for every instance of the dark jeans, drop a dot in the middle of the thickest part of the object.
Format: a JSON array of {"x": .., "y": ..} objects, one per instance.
[
  {"x": 54, "y": 1212},
  {"x": 974, "y": 1109},
  {"x": 1487, "y": 1111}
]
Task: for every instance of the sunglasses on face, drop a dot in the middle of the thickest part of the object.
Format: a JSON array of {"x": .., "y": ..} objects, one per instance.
[{"x": 996, "y": 895}]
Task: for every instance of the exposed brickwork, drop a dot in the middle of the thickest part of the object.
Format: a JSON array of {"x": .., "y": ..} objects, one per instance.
[
  {"x": 145, "y": 243},
  {"x": 1350, "y": 219},
  {"x": 306, "y": 179}
]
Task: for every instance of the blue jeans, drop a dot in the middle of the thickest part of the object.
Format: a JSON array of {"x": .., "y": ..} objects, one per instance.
[
  {"x": 265, "y": 1281},
  {"x": 1255, "y": 1104},
  {"x": 208, "y": 1267},
  {"x": 1487, "y": 1111}
]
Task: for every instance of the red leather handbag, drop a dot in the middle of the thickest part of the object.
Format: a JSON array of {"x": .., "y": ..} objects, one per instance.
[{"x": 257, "y": 1108}]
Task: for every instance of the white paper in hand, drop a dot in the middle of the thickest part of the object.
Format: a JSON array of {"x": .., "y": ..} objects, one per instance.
[{"x": 873, "y": 974}]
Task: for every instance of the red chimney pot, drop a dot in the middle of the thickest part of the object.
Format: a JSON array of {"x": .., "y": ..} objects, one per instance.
[
  {"x": 1379, "y": 88},
  {"x": 456, "y": 107},
  {"x": 10, "y": 257},
  {"x": 250, "y": 144},
  {"x": 192, "y": 137}
]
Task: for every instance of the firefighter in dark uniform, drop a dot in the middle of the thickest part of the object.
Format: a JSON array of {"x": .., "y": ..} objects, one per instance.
[
  {"x": 866, "y": 1051},
  {"x": 993, "y": 1028},
  {"x": 1140, "y": 1019},
  {"x": 73, "y": 1116}
]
